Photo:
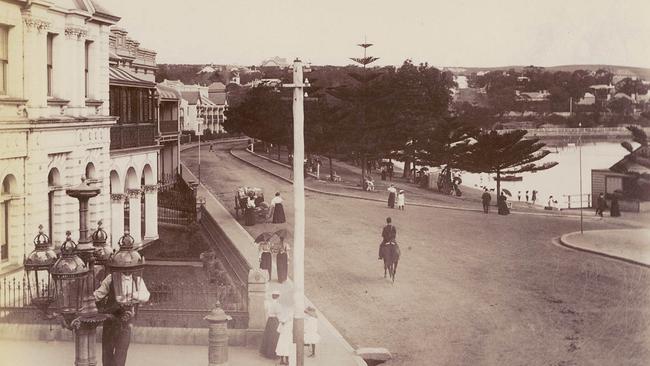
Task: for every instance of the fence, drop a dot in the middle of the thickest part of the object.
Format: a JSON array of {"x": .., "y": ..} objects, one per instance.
[
  {"x": 176, "y": 201},
  {"x": 577, "y": 201},
  {"x": 170, "y": 305}
]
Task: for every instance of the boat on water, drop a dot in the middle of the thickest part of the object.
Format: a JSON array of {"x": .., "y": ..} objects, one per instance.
[{"x": 510, "y": 178}]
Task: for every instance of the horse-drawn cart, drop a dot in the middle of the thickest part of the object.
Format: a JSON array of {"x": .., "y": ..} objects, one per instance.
[{"x": 241, "y": 203}]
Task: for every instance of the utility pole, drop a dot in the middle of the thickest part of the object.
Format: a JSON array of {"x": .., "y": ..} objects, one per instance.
[
  {"x": 580, "y": 169},
  {"x": 299, "y": 209},
  {"x": 199, "y": 132}
]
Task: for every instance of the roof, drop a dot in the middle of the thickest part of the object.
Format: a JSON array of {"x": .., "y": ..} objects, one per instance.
[
  {"x": 121, "y": 77},
  {"x": 216, "y": 86},
  {"x": 192, "y": 97},
  {"x": 636, "y": 161},
  {"x": 217, "y": 98},
  {"x": 623, "y": 95},
  {"x": 206, "y": 101},
  {"x": 167, "y": 93}
]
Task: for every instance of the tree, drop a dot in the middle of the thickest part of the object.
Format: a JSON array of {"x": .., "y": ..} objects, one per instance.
[
  {"x": 505, "y": 153},
  {"x": 445, "y": 145},
  {"x": 641, "y": 184}
]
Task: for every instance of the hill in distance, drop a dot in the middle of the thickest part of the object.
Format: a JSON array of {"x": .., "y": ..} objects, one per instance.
[{"x": 641, "y": 72}]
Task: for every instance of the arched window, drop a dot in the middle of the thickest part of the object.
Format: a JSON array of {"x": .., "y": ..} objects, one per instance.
[
  {"x": 90, "y": 172},
  {"x": 53, "y": 182},
  {"x": 8, "y": 184}
]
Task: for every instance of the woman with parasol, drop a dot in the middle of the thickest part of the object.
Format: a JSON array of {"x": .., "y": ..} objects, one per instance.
[
  {"x": 266, "y": 259},
  {"x": 278, "y": 209},
  {"x": 282, "y": 258}
]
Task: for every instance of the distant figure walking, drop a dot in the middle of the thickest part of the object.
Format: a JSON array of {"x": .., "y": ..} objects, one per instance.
[
  {"x": 502, "y": 205},
  {"x": 486, "y": 198},
  {"x": 392, "y": 191},
  {"x": 534, "y": 197},
  {"x": 400, "y": 200},
  {"x": 527, "y": 196},
  {"x": 519, "y": 196},
  {"x": 615, "y": 210},
  {"x": 278, "y": 209},
  {"x": 601, "y": 205}
]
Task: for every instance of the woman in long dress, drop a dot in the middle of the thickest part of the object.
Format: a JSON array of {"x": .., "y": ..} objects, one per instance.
[
  {"x": 391, "y": 196},
  {"x": 283, "y": 349},
  {"x": 271, "y": 335},
  {"x": 278, "y": 209},
  {"x": 266, "y": 259},
  {"x": 249, "y": 216},
  {"x": 311, "y": 329},
  {"x": 282, "y": 261}
]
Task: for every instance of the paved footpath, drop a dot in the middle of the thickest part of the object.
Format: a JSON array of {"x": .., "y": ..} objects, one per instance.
[{"x": 631, "y": 245}]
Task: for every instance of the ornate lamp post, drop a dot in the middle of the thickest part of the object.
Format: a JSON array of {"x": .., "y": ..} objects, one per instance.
[
  {"x": 101, "y": 255},
  {"x": 126, "y": 262},
  {"x": 37, "y": 270}
]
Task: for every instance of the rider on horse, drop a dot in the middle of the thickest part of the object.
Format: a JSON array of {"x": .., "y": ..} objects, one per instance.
[{"x": 388, "y": 234}]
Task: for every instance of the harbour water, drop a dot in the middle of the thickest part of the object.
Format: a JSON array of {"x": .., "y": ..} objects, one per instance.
[{"x": 563, "y": 179}]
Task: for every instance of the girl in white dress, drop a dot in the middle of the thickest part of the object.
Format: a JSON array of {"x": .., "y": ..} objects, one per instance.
[
  {"x": 311, "y": 329},
  {"x": 400, "y": 200},
  {"x": 285, "y": 340}
]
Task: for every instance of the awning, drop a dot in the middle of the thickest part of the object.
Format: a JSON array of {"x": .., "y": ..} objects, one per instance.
[
  {"x": 167, "y": 93},
  {"x": 121, "y": 77}
]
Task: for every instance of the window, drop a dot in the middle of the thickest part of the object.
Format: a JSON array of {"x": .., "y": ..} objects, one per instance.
[
  {"x": 3, "y": 60},
  {"x": 50, "y": 37}
]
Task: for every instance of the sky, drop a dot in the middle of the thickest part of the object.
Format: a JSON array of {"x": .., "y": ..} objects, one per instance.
[{"x": 478, "y": 33}]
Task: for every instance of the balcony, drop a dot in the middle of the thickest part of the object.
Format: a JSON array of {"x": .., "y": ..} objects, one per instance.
[
  {"x": 169, "y": 127},
  {"x": 135, "y": 135}
]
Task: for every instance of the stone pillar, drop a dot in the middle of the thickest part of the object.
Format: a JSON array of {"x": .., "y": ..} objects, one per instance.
[
  {"x": 117, "y": 218},
  {"x": 35, "y": 72},
  {"x": 217, "y": 337},
  {"x": 257, "y": 279},
  {"x": 151, "y": 211},
  {"x": 135, "y": 215}
]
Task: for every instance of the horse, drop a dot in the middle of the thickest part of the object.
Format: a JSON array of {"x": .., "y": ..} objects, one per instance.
[{"x": 390, "y": 254}]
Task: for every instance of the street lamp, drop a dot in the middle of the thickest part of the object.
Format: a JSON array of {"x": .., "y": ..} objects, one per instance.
[
  {"x": 37, "y": 270},
  {"x": 69, "y": 274},
  {"x": 126, "y": 262}
]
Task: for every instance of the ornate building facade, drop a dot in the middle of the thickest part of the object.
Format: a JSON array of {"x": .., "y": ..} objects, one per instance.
[{"x": 55, "y": 125}]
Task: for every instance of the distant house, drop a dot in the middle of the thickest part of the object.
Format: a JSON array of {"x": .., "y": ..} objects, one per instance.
[
  {"x": 587, "y": 99},
  {"x": 623, "y": 178},
  {"x": 477, "y": 97},
  {"x": 275, "y": 62},
  {"x": 200, "y": 107},
  {"x": 208, "y": 69},
  {"x": 533, "y": 101}
]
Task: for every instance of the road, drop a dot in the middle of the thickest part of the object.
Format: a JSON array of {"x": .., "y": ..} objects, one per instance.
[{"x": 471, "y": 289}]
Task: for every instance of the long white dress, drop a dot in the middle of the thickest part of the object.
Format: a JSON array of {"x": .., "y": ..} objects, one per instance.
[
  {"x": 286, "y": 337},
  {"x": 311, "y": 330}
]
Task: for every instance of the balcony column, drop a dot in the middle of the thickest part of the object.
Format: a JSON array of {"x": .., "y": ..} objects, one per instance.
[
  {"x": 150, "y": 211},
  {"x": 135, "y": 215},
  {"x": 117, "y": 218}
]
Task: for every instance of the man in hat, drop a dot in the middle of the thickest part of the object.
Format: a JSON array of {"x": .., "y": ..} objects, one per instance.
[
  {"x": 116, "y": 334},
  {"x": 486, "y": 198},
  {"x": 388, "y": 234}
]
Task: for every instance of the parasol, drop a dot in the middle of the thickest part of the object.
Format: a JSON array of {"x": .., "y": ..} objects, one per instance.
[
  {"x": 282, "y": 233},
  {"x": 507, "y": 192},
  {"x": 263, "y": 237}
]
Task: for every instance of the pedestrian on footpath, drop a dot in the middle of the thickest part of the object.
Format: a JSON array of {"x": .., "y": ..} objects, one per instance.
[
  {"x": 400, "y": 200},
  {"x": 311, "y": 330},
  {"x": 277, "y": 209},
  {"x": 271, "y": 335},
  {"x": 519, "y": 196},
  {"x": 283, "y": 349},
  {"x": 601, "y": 205},
  {"x": 527, "y": 197},
  {"x": 392, "y": 192},
  {"x": 116, "y": 335},
  {"x": 534, "y": 197},
  {"x": 502, "y": 204},
  {"x": 266, "y": 258},
  {"x": 388, "y": 235},
  {"x": 282, "y": 260},
  {"x": 486, "y": 198}
]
